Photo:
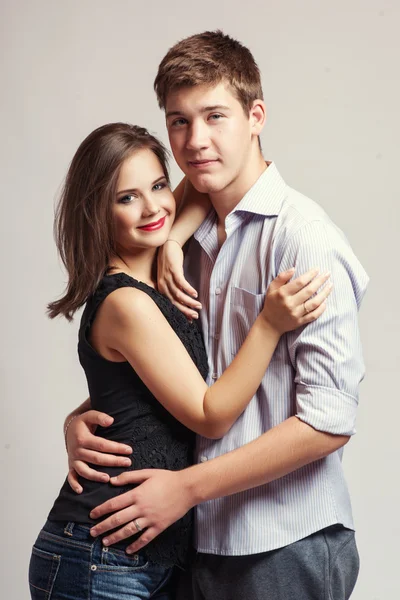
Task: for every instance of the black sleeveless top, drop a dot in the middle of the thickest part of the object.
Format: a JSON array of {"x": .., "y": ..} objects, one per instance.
[{"x": 158, "y": 440}]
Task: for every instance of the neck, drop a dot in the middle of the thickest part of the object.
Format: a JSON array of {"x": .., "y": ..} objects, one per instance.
[
  {"x": 141, "y": 264},
  {"x": 225, "y": 200}
]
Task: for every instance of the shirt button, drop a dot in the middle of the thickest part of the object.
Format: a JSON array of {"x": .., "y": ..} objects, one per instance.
[
  {"x": 218, "y": 291},
  {"x": 93, "y": 568},
  {"x": 215, "y": 376},
  {"x": 203, "y": 459}
]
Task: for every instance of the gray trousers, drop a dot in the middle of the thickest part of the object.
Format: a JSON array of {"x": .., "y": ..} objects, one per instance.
[{"x": 323, "y": 566}]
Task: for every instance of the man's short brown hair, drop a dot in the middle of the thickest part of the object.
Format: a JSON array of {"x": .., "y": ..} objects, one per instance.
[{"x": 207, "y": 59}]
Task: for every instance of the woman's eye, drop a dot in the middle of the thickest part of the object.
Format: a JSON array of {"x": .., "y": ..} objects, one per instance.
[
  {"x": 126, "y": 199},
  {"x": 159, "y": 186}
]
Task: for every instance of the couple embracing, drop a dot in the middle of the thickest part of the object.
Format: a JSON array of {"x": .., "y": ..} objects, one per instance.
[{"x": 207, "y": 461}]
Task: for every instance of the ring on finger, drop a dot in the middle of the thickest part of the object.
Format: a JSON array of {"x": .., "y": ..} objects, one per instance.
[
  {"x": 137, "y": 525},
  {"x": 306, "y": 311}
]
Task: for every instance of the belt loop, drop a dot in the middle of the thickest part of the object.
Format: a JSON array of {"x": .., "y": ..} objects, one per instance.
[{"x": 69, "y": 528}]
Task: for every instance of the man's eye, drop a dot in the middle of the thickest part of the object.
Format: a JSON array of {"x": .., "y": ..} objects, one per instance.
[
  {"x": 178, "y": 122},
  {"x": 215, "y": 117}
]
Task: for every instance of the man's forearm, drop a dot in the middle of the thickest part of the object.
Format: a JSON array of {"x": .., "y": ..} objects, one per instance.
[
  {"x": 82, "y": 408},
  {"x": 285, "y": 448}
]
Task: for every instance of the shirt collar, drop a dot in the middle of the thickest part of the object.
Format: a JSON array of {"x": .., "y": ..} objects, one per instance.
[
  {"x": 206, "y": 226},
  {"x": 265, "y": 198}
]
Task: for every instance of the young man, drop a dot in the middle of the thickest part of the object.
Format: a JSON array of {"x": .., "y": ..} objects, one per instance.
[{"x": 273, "y": 511}]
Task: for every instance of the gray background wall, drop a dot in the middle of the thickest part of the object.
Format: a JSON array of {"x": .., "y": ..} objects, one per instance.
[{"x": 331, "y": 81}]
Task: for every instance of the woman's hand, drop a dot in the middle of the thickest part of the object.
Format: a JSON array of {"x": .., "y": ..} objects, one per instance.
[
  {"x": 172, "y": 282},
  {"x": 291, "y": 304}
]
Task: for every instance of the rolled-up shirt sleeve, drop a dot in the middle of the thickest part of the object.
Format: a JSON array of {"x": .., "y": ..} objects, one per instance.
[{"x": 326, "y": 354}]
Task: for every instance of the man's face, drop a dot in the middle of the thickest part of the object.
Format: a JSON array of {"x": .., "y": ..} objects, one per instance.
[{"x": 210, "y": 135}]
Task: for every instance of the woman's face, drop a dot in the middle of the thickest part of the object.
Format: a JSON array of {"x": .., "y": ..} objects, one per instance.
[{"x": 144, "y": 207}]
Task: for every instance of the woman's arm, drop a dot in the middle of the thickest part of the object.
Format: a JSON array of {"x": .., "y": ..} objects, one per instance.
[
  {"x": 130, "y": 323},
  {"x": 192, "y": 210}
]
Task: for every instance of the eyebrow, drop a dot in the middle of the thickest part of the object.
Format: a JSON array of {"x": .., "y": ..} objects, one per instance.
[
  {"x": 204, "y": 109},
  {"x": 130, "y": 190}
]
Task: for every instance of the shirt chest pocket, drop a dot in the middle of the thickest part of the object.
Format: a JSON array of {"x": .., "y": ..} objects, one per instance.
[{"x": 245, "y": 308}]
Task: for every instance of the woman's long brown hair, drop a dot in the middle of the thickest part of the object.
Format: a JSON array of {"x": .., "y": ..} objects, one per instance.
[{"x": 83, "y": 226}]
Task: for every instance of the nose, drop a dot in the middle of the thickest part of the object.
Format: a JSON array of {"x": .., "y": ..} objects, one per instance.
[
  {"x": 150, "y": 206},
  {"x": 197, "y": 137}
]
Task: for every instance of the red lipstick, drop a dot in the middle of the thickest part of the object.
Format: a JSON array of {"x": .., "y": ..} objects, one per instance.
[{"x": 154, "y": 226}]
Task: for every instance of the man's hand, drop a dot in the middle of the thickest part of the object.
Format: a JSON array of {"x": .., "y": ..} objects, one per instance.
[
  {"x": 160, "y": 500},
  {"x": 172, "y": 282},
  {"x": 84, "y": 447}
]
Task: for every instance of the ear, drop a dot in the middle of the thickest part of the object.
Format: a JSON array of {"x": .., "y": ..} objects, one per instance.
[{"x": 257, "y": 117}]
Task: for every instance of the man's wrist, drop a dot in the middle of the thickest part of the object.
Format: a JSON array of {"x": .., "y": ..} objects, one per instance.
[
  {"x": 66, "y": 427},
  {"x": 191, "y": 486},
  {"x": 82, "y": 408}
]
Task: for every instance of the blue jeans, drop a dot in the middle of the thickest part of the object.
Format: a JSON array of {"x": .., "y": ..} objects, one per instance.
[{"x": 68, "y": 564}]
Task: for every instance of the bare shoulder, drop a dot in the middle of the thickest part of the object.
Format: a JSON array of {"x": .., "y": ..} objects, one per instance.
[{"x": 129, "y": 306}]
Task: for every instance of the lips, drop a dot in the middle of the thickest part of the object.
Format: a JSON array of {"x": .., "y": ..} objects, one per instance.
[
  {"x": 154, "y": 226},
  {"x": 200, "y": 164}
]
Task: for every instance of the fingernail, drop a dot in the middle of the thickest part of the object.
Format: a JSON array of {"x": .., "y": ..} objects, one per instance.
[
  {"x": 93, "y": 532},
  {"x": 129, "y": 551},
  {"x": 113, "y": 479},
  {"x": 327, "y": 273},
  {"x": 126, "y": 462},
  {"x": 195, "y": 316},
  {"x": 128, "y": 449},
  {"x": 194, "y": 294},
  {"x": 105, "y": 478},
  {"x": 106, "y": 541}
]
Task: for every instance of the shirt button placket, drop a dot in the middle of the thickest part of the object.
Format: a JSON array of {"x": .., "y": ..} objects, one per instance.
[
  {"x": 216, "y": 336},
  {"x": 214, "y": 310}
]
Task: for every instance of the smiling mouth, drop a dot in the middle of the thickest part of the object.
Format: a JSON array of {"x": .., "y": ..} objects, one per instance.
[
  {"x": 154, "y": 226},
  {"x": 198, "y": 164}
]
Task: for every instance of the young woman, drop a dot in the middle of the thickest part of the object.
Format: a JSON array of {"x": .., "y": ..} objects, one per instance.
[{"x": 145, "y": 363}]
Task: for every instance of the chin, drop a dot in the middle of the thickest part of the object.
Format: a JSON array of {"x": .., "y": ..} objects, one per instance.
[
  {"x": 207, "y": 185},
  {"x": 200, "y": 187}
]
